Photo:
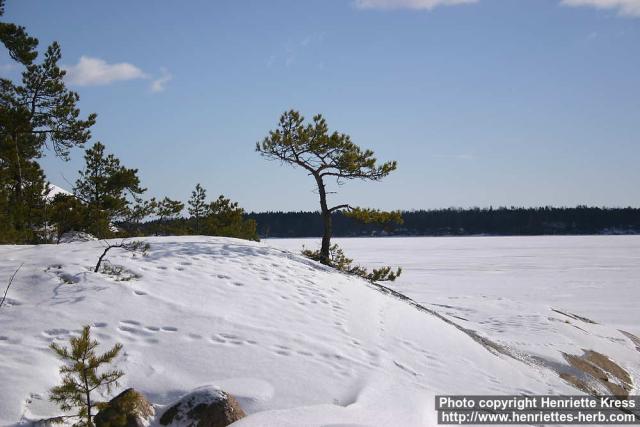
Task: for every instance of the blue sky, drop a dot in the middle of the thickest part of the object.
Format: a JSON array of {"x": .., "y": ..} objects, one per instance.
[{"x": 487, "y": 102}]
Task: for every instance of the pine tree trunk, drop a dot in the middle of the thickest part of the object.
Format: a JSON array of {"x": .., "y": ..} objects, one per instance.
[
  {"x": 88, "y": 397},
  {"x": 19, "y": 167},
  {"x": 326, "y": 219},
  {"x": 18, "y": 220}
]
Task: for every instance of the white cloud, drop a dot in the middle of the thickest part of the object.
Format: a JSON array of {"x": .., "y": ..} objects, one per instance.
[
  {"x": 160, "y": 84},
  {"x": 408, "y": 4},
  {"x": 94, "y": 72},
  {"x": 624, "y": 7}
]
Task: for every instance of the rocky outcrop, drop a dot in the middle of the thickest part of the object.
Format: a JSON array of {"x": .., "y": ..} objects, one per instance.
[
  {"x": 204, "y": 407},
  {"x": 128, "y": 409}
]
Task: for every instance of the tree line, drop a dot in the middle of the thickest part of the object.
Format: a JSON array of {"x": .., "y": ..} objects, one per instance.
[{"x": 460, "y": 222}]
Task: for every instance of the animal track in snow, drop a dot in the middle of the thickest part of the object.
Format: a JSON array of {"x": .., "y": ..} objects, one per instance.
[{"x": 130, "y": 322}]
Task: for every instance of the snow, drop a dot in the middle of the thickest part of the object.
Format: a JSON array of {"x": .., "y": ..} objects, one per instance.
[
  {"x": 54, "y": 190},
  {"x": 301, "y": 345}
]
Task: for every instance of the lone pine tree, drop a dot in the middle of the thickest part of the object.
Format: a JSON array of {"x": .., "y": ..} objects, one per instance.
[
  {"x": 325, "y": 155},
  {"x": 81, "y": 377},
  {"x": 198, "y": 207}
]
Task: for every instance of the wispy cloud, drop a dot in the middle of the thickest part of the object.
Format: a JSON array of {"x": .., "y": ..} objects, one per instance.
[
  {"x": 624, "y": 7},
  {"x": 95, "y": 72},
  {"x": 160, "y": 84},
  {"x": 293, "y": 50},
  {"x": 409, "y": 4}
]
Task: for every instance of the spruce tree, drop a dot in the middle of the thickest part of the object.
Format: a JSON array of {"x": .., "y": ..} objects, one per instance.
[
  {"x": 106, "y": 187},
  {"x": 198, "y": 208},
  {"x": 82, "y": 377},
  {"x": 324, "y": 156}
]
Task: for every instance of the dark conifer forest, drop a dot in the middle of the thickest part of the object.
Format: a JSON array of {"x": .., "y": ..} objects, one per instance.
[{"x": 461, "y": 222}]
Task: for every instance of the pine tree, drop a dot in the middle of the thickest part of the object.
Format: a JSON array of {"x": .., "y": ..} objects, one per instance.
[
  {"x": 227, "y": 218},
  {"x": 104, "y": 186},
  {"x": 67, "y": 213},
  {"x": 136, "y": 213},
  {"x": 167, "y": 211},
  {"x": 323, "y": 156},
  {"x": 81, "y": 378},
  {"x": 198, "y": 208},
  {"x": 39, "y": 112}
]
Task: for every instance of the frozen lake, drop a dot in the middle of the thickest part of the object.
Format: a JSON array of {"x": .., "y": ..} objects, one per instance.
[{"x": 479, "y": 278}]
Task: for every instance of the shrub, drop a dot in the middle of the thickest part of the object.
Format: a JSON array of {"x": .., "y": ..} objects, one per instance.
[{"x": 339, "y": 261}]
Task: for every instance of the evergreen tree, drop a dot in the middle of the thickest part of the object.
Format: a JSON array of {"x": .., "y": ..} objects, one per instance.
[
  {"x": 198, "y": 208},
  {"x": 67, "y": 213},
  {"x": 167, "y": 210},
  {"x": 81, "y": 378},
  {"x": 106, "y": 187},
  {"x": 227, "y": 219},
  {"x": 136, "y": 212},
  {"x": 38, "y": 112},
  {"x": 323, "y": 155}
]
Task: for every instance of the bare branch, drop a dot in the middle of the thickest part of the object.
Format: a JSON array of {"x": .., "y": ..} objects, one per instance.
[
  {"x": 128, "y": 246},
  {"x": 10, "y": 282},
  {"x": 336, "y": 208}
]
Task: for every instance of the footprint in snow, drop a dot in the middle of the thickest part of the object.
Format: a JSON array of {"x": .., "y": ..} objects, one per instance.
[{"x": 130, "y": 322}]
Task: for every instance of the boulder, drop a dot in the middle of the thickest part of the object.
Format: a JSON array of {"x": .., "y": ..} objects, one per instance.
[
  {"x": 203, "y": 407},
  {"x": 128, "y": 409}
]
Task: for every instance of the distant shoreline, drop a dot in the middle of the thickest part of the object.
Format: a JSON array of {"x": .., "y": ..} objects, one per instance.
[
  {"x": 392, "y": 236},
  {"x": 514, "y": 221}
]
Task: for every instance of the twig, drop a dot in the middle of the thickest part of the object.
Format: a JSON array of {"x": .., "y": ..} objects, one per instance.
[
  {"x": 128, "y": 246},
  {"x": 9, "y": 285}
]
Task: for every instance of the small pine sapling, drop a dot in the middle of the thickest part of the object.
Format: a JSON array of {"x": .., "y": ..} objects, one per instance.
[{"x": 81, "y": 377}]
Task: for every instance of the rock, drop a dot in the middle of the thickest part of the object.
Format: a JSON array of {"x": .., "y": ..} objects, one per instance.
[
  {"x": 128, "y": 409},
  {"x": 204, "y": 407}
]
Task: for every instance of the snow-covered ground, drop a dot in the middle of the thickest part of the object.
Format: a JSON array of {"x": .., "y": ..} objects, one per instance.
[
  {"x": 301, "y": 345},
  {"x": 594, "y": 276}
]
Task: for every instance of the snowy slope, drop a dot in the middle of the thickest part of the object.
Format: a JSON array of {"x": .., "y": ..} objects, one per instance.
[
  {"x": 538, "y": 296},
  {"x": 299, "y": 345},
  {"x": 54, "y": 190}
]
